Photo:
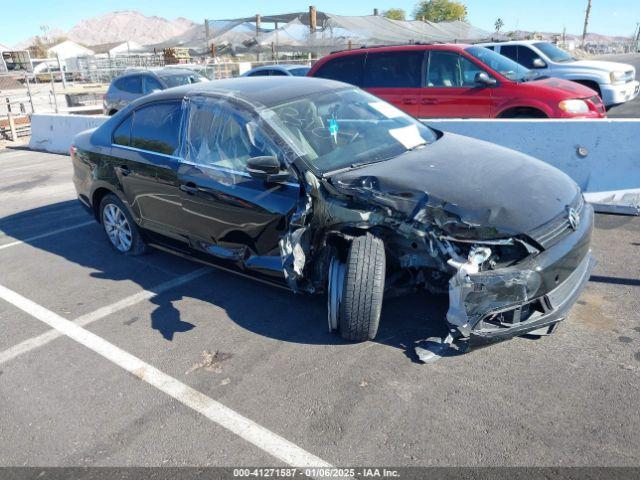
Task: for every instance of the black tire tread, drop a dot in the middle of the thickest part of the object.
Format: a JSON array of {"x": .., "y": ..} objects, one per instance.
[{"x": 363, "y": 289}]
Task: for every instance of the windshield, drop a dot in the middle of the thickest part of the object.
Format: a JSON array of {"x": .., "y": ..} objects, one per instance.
[
  {"x": 554, "y": 53},
  {"x": 503, "y": 65},
  {"x": 182, "y": 79},
  {"x": 338, "y": 129}
]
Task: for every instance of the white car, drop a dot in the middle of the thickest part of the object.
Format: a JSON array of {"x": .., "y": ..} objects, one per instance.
[{"x": 615, "y": 82}]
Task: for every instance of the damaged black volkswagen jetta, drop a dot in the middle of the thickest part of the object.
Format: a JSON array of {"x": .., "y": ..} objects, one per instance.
[{"x": 322, "y": 187}]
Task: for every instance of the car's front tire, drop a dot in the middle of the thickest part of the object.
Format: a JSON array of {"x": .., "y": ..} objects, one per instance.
[
  {"x": 362, "y": 289},
  {"x": 120, "y": 228}
]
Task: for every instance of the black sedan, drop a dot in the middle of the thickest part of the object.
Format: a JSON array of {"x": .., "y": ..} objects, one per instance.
[{"x": 321, "y": 187}]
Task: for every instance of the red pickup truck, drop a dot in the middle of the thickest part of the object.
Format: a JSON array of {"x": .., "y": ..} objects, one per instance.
[{"x": 460, "y": 81}]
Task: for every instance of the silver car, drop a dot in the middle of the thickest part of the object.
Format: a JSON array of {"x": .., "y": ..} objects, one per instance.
[{"x": 135, "y": 84}]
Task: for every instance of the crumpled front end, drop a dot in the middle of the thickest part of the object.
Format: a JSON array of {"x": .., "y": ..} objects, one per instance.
[{"x": 531, "y": 296}]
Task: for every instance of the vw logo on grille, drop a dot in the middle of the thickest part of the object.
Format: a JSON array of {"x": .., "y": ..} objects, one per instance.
[{"x": 574, "y": 218}]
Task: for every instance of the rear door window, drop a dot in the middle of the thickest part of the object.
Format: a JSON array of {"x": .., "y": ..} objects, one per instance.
[
  {"x": 348, "y": 68},
  {"x": 151, "y": 84},
  {"x": 520, "y": 54},
  {"x": 393, "y": 70},
  {"x": 156, "y": 127}
]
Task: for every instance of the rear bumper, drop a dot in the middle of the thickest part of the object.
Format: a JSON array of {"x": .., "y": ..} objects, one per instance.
[
  {"x": 495, "y": 305},
  {"x": 616, "y": 94}
]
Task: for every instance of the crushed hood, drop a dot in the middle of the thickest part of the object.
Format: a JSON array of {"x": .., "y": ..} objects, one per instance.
[{"x": 471, "y": 188}]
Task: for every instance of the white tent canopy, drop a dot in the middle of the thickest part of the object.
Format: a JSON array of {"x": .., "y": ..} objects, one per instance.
[{"x": 69, "y": 49}]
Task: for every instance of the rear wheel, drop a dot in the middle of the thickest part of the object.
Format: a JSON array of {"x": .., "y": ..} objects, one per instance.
[
  {"x": 122, "y": 232},
  {"x": 356, "y": 289}
]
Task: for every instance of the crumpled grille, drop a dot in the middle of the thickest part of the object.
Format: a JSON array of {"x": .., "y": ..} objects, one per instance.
[{"x": 555, "y": 230}]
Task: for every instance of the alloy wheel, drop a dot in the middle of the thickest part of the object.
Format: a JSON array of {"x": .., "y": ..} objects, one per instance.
[{"x": 117, "y": 227}]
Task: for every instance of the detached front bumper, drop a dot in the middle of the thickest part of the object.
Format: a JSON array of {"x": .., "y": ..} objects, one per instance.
[
  {"x": 616, "y": 94},
  {"x": 530, "y": 297}
]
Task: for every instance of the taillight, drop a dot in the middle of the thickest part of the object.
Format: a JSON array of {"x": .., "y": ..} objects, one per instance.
[{"x": 72, "y": 152}]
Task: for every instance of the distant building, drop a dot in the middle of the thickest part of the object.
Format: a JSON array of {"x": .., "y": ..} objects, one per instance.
[{"x": 69, "y": 49}]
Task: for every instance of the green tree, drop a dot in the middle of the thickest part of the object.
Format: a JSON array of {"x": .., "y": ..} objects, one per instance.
[
  {"x": 440, "y": 10},
  {"x": 499, "y": 24},
  {"x": 395, "y": 14}
]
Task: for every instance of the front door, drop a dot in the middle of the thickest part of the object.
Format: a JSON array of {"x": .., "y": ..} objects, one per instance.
[
  {"x": 230, "y": 214},
  {"x": 450, "y": 88},
  {"x": 146, "y": 154}
]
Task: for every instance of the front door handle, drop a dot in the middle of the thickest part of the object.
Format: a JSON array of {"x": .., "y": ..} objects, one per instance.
[
  {"x": 409, "y": 101},
  {"x": 124, "y": 170},
  {"x": 429, "y": 101},
  {"x": 189, "y": 188}
]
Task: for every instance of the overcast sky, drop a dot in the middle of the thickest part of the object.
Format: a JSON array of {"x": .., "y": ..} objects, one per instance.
[{"x": 610, "y": 17}]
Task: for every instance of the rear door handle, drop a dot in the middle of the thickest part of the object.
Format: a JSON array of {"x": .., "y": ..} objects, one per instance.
[
  {"x": 189, "y": 188},
  {"x": 124, "y": 170},
  {"x": 409, "y": 101}
]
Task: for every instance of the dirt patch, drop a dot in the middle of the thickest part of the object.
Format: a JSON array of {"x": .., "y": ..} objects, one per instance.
[
  {"x": 210, "y": 362},
  {"x": 591, "y": 310}
]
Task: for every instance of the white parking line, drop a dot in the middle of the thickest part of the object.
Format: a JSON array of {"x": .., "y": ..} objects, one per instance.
[
  {"x": 46, "y": 337},
  {"x": 44, "y": 235},
  {"x": 245, "y": 428}
]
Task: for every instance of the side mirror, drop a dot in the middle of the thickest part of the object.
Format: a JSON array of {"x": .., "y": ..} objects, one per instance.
[
  {"x": 267, "y": 168},
  {"x": 538, "y": 63},
  {"x": 482, "y": 78}
]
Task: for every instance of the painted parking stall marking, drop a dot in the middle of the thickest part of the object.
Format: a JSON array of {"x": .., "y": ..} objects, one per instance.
[
  {"x": 48, "y": 234},
  {"x": 46, "y": 337},
  {"x": 233, "y": 421}
]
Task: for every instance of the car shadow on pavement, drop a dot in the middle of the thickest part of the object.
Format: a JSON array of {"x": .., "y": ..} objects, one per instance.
[{"x": 259, "y": 308}]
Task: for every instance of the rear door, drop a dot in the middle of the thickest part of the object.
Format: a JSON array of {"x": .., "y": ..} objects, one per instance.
[
  {"x": 146, "y": 152},
  {"x": 228, "y": 213},
  {"x": 450, "y": 88},
  {"x": 396, "y": 77}
]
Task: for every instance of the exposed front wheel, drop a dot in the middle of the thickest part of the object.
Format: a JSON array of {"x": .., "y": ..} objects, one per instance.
[
  {"x": 121, "y": 230},
  {"x": 356, "y": 289}
]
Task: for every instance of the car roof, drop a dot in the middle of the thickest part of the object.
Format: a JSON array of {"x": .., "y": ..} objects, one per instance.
[
  {"x": 280, "y": 66},
  {"x": 260, "y": 91},
  {"x": 159, "y": 72},
  {"x": 514, "y": 42},
  {"x": 404, "y": 47}
]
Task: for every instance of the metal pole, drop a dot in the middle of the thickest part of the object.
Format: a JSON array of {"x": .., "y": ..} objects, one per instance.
[
  {"x": 313, "y": 25},
  {"x": 62, "y": 73},
  {"x": 53, "y": 88},
  {"x": 26, "y": 81},
  {"x": 257, "y": 36}
]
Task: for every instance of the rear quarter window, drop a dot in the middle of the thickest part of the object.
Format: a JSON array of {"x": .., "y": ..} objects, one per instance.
[{"x": 347, "y": 68}]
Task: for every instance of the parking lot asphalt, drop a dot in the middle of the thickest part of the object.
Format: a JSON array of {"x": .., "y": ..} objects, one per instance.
[{"x": 230, "y": 348}]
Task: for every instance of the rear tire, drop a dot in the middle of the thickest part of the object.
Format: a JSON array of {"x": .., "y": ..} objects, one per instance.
[
  {"x": 120, "y": 228},
  {"x": 363, "y": 289}
]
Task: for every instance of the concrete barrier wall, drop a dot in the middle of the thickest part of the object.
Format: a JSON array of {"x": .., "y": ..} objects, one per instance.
[
  {"x": 602, "y": 156},
  {"x": 54, "y": 132}
]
